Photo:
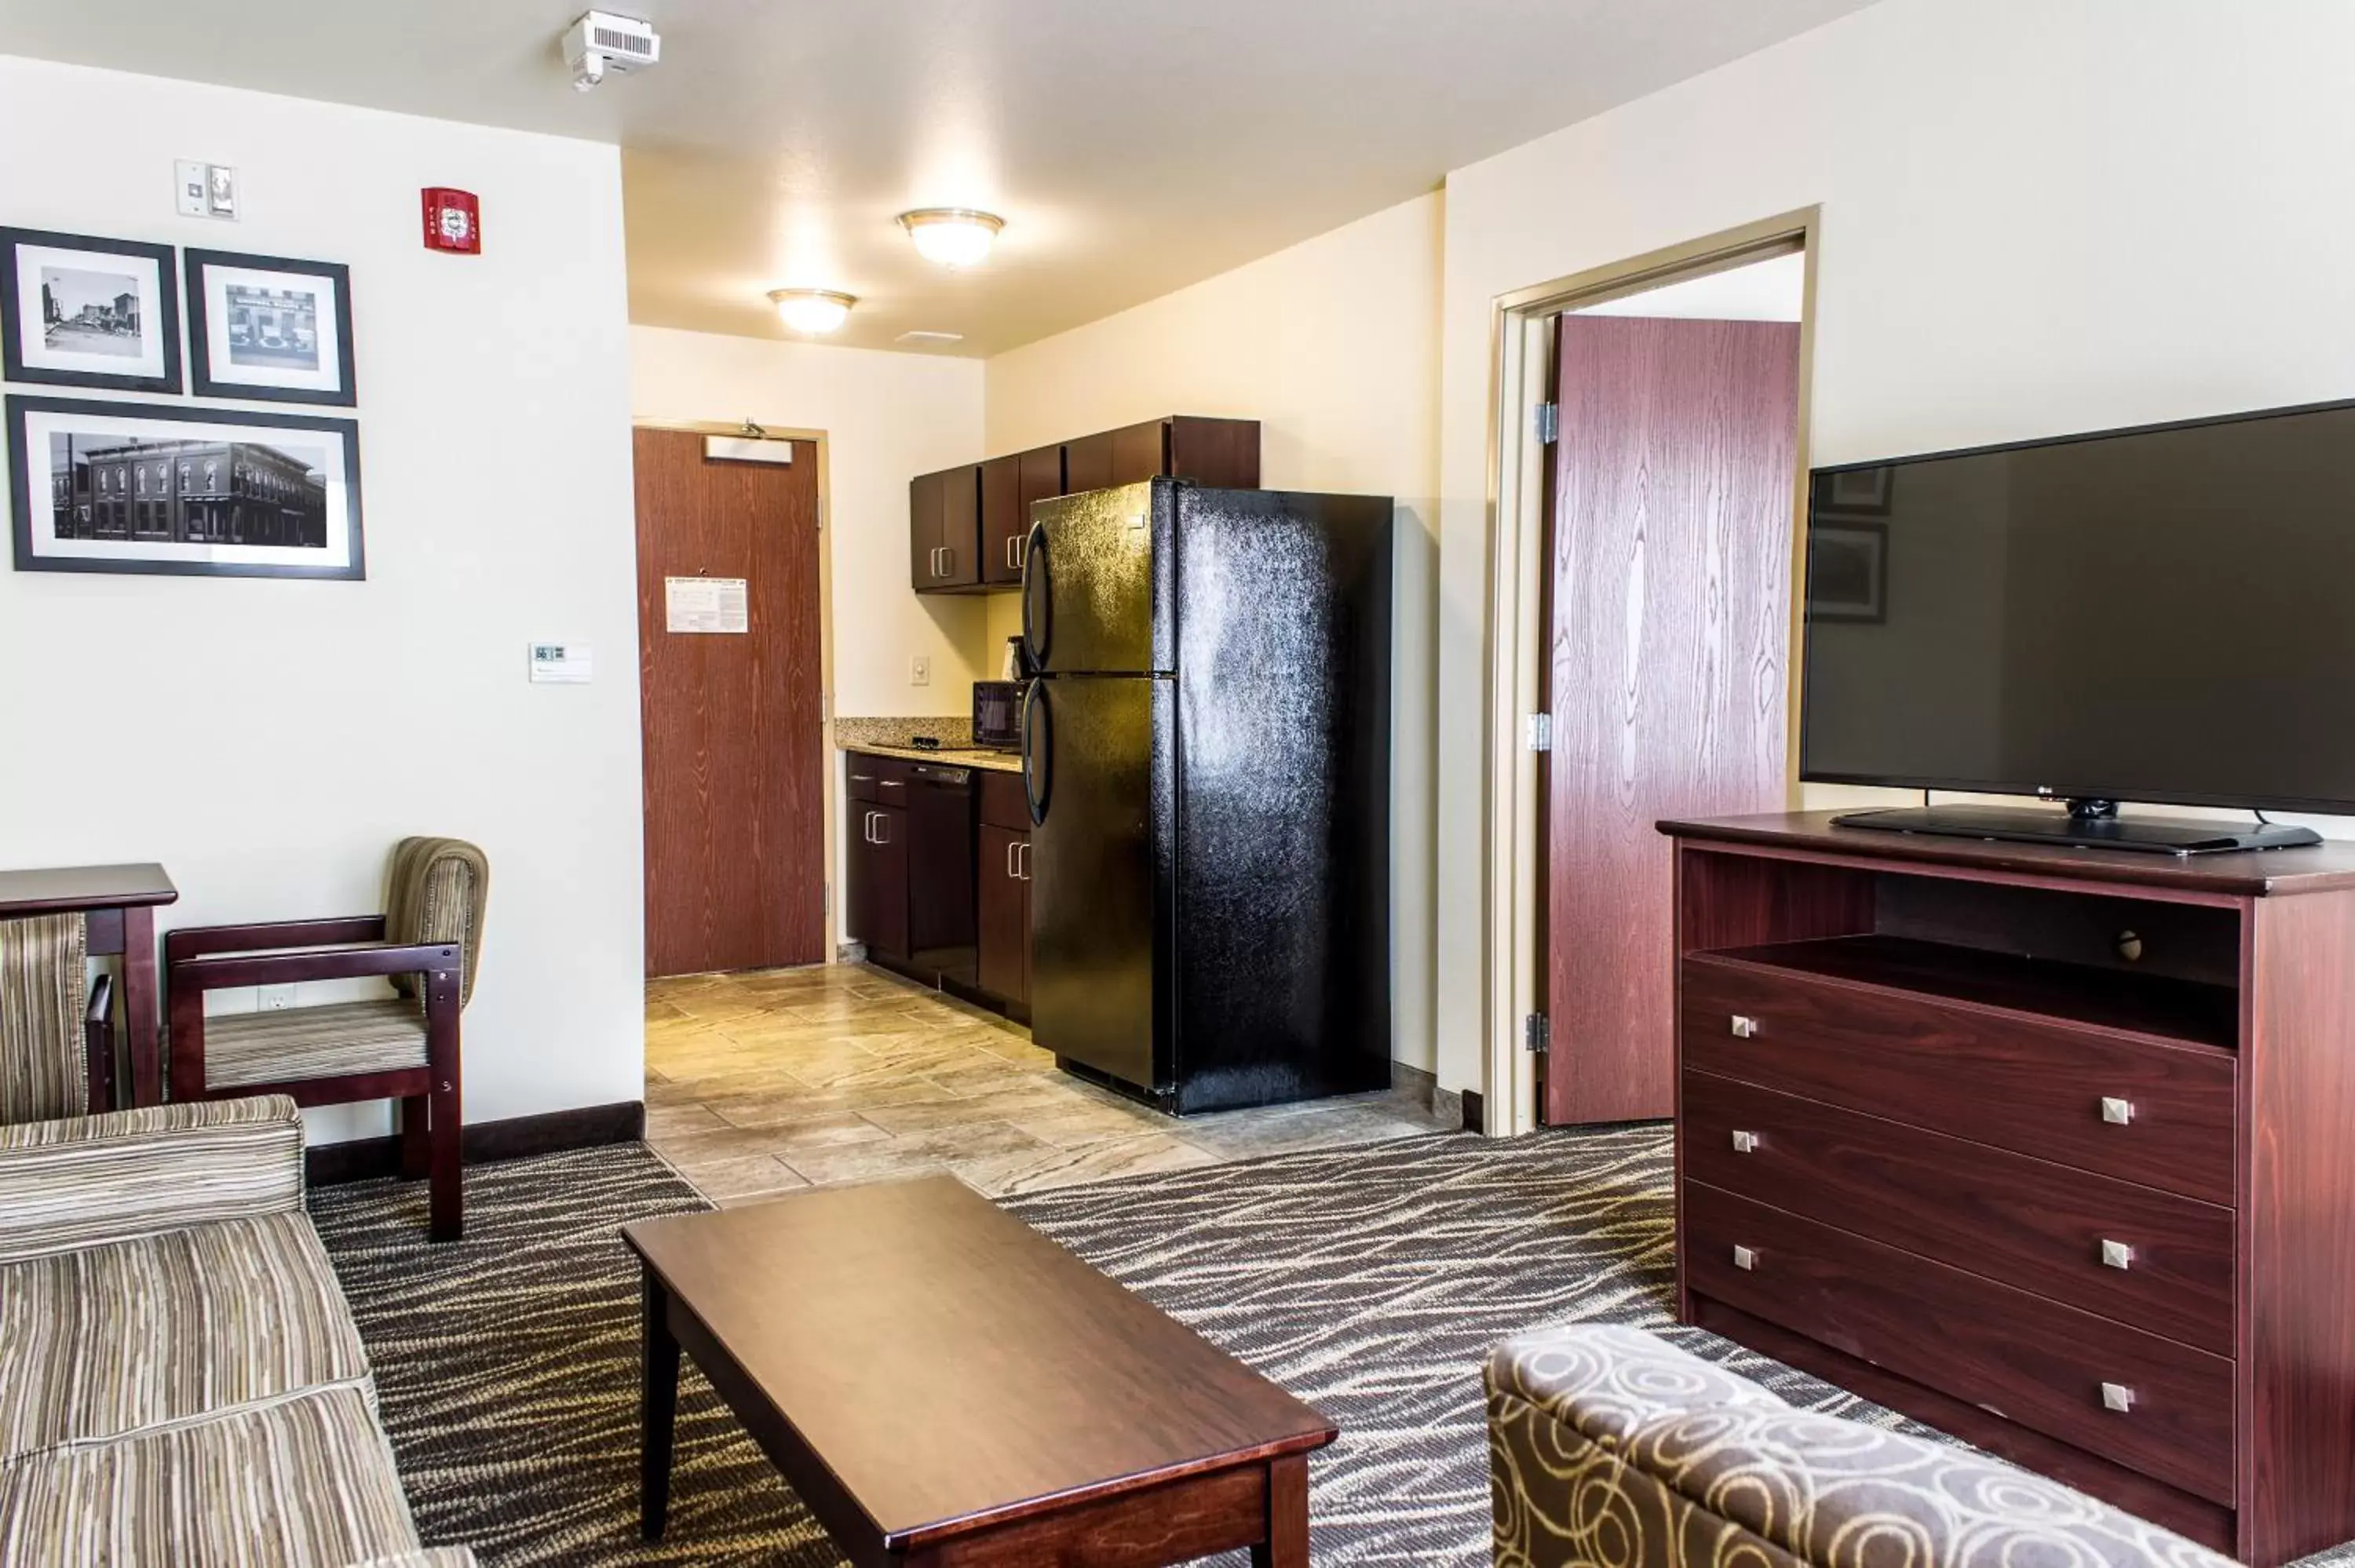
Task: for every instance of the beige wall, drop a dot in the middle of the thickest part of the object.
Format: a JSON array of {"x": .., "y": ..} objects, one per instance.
[
  {"x": 2036, "y": 218},
  {"x": 1333, "y": 345},
  {"x": 268, "y": 740},
  {"x": 887, "y": 418}
]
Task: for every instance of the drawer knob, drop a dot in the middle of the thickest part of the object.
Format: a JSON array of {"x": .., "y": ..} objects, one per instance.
[
  {"x": 2116, "y": 1254},
  {"x": 1745, "y": 1257},
  {"x": 2116, "y": 1110},
  {"x": 2117, "y": 1396},
  {"x": 1744, "y": 1028},
  {"x": 1745, "y": 1142}
]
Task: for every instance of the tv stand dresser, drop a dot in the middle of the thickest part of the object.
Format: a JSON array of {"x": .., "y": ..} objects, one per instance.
[{"x": 2052, "y": 1148}]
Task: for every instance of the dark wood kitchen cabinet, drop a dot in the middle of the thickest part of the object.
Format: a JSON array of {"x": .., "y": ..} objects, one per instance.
[
  {"x": 945, "y": 552},
  {"x": 968, "y": 527},
  {"x": 1004, "y": 874},
  {"x": 1008, "y": 486},
  {"x": 877, "y": 902}
]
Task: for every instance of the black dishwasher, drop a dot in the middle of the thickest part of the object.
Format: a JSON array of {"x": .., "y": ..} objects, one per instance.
[{"x": 941, "y": 912}]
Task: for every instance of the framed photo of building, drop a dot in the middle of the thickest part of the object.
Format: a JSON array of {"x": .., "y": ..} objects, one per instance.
[
  {"x": 173, "y": 489},
  {"x": 1848, "y": 570},
  {"x": 82, "y": 311},
  {"x": 269, "y": 328}
]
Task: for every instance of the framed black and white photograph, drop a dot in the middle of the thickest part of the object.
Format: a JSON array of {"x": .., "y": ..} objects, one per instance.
[
  {"x": 76, "y": 310},
  {"x": 269, "y": 328},
  {"x": 1848, "y": 570},
  {"x": 1856, "y": 490},
  {"x": 175, "y": 491}
]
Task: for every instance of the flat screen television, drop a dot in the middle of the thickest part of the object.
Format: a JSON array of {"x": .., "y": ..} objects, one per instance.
[{"x": 2164, "y": 614}]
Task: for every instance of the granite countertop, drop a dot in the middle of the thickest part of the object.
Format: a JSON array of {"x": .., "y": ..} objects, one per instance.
[{"x": 994, "y": 761}]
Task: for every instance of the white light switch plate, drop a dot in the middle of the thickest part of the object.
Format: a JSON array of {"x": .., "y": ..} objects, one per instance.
[
  {"x": 204, "y": 190},
  {"x": 920, "y": 670}
]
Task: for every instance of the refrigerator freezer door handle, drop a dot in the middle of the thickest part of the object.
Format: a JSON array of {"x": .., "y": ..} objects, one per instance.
[
  {"x": 1038, "y": 610},
  {"x": 1037, "y": 771}
]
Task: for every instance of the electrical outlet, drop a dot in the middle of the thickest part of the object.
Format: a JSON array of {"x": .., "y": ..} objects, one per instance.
[
  {"x": 920, "y": 670},
  {"x": 273, "y": 998}
]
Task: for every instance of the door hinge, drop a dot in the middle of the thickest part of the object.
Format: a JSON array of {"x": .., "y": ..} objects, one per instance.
[
  {"x": 1540, "y": 732},
  {"x": 1537, "y": 1034},
  {"x": 1547, "y": 417},
  {"x": 826, "y": 898}
]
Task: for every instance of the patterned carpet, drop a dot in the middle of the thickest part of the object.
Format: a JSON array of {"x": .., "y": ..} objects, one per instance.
[{"x": 1369, "y": 1281}]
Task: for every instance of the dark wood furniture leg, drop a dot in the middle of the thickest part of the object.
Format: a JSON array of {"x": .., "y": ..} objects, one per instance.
[
  {"x": 659, "y": 1413},
  {"x": 139, "y": 1016},
  {"x": 1286, "y": 1545},
  {"x": 447, "y": 1197}
]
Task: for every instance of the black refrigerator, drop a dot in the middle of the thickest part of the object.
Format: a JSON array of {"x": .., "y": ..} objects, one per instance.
[{"x": 1206, "y": 753}]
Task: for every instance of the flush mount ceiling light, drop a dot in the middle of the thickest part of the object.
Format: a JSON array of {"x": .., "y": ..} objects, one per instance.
[
  {"x": 812, "y": 309},
  {"x": 952, "y": 236}
]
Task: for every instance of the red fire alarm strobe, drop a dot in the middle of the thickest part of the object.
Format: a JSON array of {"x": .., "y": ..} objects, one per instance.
[{"x": 453, "y": 221}]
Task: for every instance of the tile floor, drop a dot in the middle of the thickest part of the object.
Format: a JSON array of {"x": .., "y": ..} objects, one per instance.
[{"x": 757, "y": 1084}]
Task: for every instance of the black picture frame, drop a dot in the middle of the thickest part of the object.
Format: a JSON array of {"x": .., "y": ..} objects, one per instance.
[
  {"x": 13, "y": 365},
  {"x": 1848, "y": 571},
  {"x": 20, "y": 410},
  {"x": 203, "y": 380}
]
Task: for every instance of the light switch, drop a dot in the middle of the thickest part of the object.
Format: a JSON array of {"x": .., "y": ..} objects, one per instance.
[
  {"x": 562, "y": 663},
  {"x": 204, "y": 190},
  {"x": 920, "y": 670}
]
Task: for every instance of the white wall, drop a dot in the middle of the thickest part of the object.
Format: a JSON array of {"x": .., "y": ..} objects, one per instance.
[
  {"x": 267, "y": 741},
  {"x": 2036, "y": 218},
  {"x": 1333, "y": 346},
  {"x": 887, "y": 418}
]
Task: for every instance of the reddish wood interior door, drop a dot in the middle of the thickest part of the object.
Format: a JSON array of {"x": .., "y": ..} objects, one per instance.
[
  {"x": 1673, "y": 483},
  {"x": 733, "y": 726}
]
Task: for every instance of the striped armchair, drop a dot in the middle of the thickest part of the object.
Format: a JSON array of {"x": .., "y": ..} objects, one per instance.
[
  {"x": 1610, "y": 1448},
  {"x": 180, "y": 1379},
  {"x": 56, "y": 1032}
]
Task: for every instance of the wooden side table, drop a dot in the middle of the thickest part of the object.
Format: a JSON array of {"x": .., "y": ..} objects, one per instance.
[{"x": 119, "y": 903}]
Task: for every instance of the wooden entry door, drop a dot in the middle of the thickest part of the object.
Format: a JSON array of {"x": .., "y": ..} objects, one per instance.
[
  {"x": 733, "y": 727},
  {"x": 1673, "y": 479}
]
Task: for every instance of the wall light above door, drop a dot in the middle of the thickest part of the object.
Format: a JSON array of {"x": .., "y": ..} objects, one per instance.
[{"x": 952, "y": 236}]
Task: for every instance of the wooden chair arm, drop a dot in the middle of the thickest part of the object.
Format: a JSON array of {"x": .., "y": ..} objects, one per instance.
[
  {"x": 221, "y": 970},
  {"x": 196, "y": 941}
]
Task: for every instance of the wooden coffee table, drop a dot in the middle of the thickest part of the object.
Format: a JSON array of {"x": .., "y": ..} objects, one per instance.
[{"x": 945, "y": 1386}]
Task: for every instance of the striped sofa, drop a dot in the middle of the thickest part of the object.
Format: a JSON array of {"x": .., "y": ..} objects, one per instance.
[
  {"x": 1610, "y": 1448},
  {"x": 180, "y": 1379}
]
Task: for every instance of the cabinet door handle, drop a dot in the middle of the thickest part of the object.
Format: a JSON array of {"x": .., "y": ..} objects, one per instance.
[
  {"x": 2118, "y": 1396},
  {"x": 2116, "y": 1254},
  {"x": 866, "y": 827},
  {"x": 1745, "y": 1257},
  {"x": 1744, "y": 1142},
  {"x": 948, "y": 560},
  {"x": 1744, "y": 1028},
  {"x": 882, "y": 829},
  {"x": 1011, "y": 874},
  {"x": 2116, "y": 1111},
  {"x": 1023, "y": 860},
  {"x": 1011, "y": 562},
  {"x": 862, "y": 779}
]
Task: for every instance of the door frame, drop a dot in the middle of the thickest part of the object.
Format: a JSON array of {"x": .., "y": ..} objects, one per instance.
[
  {"x": 1522, "y": 341},
  {"x": 831, "y": 855}
]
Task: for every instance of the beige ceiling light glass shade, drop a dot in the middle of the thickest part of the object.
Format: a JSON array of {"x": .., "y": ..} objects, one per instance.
[
  {"x": 952, "y": 236},
  {"x": 812, "y": 309}
]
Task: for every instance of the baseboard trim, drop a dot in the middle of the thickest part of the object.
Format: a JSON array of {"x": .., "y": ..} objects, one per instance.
[{"x": 510, "y": 1138}]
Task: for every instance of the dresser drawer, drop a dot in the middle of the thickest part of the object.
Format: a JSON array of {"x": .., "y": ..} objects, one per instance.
[
  {"x": 2045, "y": 1366},
  {"x": 2035, "y": 1086},
  {"x": 2149, "y": 1258}
]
